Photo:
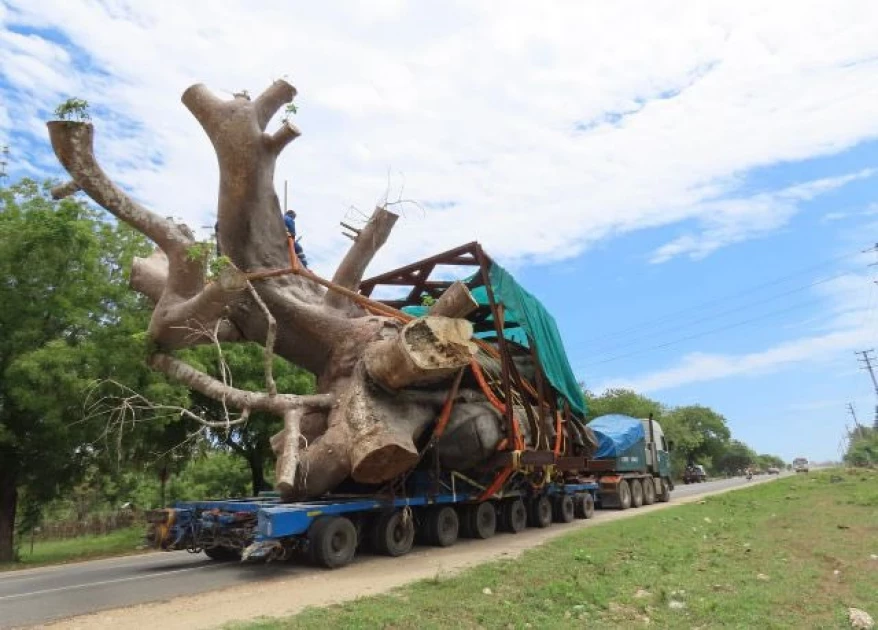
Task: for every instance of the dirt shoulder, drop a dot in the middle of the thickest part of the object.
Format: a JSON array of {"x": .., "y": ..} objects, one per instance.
[{"x": 369, "y": 575}]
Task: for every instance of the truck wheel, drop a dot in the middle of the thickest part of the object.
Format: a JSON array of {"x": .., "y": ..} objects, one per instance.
[
  {"x": 483, "y": 520},
  {"x": 222, "y": 554},
  {"x": 624, "y": 495},
  {"x": 393, "y": 534},
  {"x": 648, "y": 491},
  {"x": 562, "y": 510},
  {"x": 540, "y": 512},
  {"x": 636, "y": 493},
  {"x": 442, "y": 526},
  {"x": 587, "y": 506},
  {"x": 665, "y": 494},
  {"x": 333, "y": 541},
  {"x": 513, "y": 516}
]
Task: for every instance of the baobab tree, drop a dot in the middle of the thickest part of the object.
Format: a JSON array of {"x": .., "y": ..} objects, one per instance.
[{"x": 379, "y": 378}]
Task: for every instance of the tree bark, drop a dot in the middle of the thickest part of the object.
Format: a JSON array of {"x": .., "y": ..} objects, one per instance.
[
  {"x": 8, "y": 506},
  {"x": 360, "y": 424}
]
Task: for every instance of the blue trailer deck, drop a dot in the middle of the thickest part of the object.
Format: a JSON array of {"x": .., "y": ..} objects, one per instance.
[{"x": 266, "y": 528}]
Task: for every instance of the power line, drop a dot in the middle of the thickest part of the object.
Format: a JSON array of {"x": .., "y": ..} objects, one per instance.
[
  {"x": 723, "y": 299},
  {"x": 637, "y": 338},
  {"x": 706, "y": 332}
]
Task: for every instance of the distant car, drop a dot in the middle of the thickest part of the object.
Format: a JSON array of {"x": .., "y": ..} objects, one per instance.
[
  {"x": 694, "y": 474},
  {"x": 800, "y": 464},
  {"x": 773, "y": 470}
]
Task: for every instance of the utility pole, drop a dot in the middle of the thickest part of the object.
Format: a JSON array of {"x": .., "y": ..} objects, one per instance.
[
  {"x": 867, "y": 359},
  {"x": 853, "y": 413},
  {"x": 4, "y": 160}
]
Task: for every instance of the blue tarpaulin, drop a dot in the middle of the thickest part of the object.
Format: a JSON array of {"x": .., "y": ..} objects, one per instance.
[{"x": 616, "y": 434}]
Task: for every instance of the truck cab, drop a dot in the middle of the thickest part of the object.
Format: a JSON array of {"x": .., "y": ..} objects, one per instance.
[
  {"x": 658, "y": 452},
  {"x": 800, "y": 464}
]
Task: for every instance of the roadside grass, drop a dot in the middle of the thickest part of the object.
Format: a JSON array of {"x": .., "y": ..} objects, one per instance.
[
  {"x": 118, "y": 543},
  {"x": 795, "y": 553}
]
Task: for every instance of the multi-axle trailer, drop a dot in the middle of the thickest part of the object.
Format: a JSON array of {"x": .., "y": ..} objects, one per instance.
[
  {"x": 521, "y": 455},
  {"x": 329, "y": 531}
]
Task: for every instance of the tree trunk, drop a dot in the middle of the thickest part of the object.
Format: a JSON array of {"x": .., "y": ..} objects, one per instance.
[
  {"x": 257, "y": 472},
  {"x": 8, "y": 505},
  {"x": 360, "y": 424}
]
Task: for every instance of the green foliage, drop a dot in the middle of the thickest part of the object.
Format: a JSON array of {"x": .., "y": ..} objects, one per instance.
[
  {"x": 217, "y": 265},
  {"x": 69, "y": 323},
  {"x": 863, "y": 448},
  {"x": 707, "y": 556},
  {"x": 199, "y": 252},
  {"x": 75, "y": 109}
]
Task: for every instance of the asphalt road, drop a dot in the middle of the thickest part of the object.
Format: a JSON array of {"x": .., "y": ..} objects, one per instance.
[{"x": 36, "y": 596}]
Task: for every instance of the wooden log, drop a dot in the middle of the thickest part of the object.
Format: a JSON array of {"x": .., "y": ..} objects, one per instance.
[
  {"x": 427, "y": 350},
  {"x": 456, "y": 301}
]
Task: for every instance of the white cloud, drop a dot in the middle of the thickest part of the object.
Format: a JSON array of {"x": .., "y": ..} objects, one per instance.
[
  {"x": 473, "y": 105},
  {"x": 846, "y": 323},
  {"x": 733, "y": 220},
  {"x": 701, "y": 367}
]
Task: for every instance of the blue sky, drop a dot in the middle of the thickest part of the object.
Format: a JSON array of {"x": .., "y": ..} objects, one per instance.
[{"x": 689, "y": 192}]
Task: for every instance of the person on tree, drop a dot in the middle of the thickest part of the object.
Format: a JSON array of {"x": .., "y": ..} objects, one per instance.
[{"x": 290, "y": 222}]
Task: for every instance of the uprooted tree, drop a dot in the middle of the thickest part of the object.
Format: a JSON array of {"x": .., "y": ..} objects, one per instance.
[{"x": 381, "y": 379}]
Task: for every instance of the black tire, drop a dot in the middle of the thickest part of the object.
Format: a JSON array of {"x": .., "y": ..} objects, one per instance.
[
  {"x": 539, "y": 513},
  {"x": 442, "y": 526},
  {"x": 513, "y": 516},
  {"x": 636, "y": 493},
  {"x": 482, "y": 520},
  {"x": 624, "y": 495},
  {"x": 664, "y": 494},
  {"x": 333, "y": 541},
  {"x": 562, "y": 509},
  {"x": 393, "y": 534},
  {"x": 588, "y": 505},
  {"x": 222, "y": 554},
  {"x": 648, "y": 491}
]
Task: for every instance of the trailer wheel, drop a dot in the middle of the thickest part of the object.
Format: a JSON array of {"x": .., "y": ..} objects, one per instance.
[
  {"x": 648, "y": 491},
  {"x": 624, "y": 495},
  {"x": 665, "y": 495},
  {"x": 636, "y": 493},
  {"x": 583, "y": 505},
  {"x": 540, "y": 513},
  {"x": 562, "y": 510},
  {"x": 393, "y": 533},
  {"x": 588, "y": 505},
  {"x": 482, "y": 520},
  {"x": 442, "y": 526},
  {"x": 513, "y": 516},
  {"x": 222, "y": 554},
  {"x": 333, "y": 541}
]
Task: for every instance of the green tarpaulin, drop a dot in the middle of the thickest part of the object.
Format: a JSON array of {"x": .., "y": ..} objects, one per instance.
[{"x": 526, "y": 318}]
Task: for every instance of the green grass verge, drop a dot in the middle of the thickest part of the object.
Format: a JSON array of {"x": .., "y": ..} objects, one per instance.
[
  {"x": 118, "y": 543},
  {"x": 763, "y": 557}
]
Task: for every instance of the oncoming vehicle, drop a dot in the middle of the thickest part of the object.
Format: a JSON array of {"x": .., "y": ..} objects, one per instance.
[
  {"x": 694, "y": 474},
  {"x": 800, "y": 464},
  {"x": 773, "y": 470}
]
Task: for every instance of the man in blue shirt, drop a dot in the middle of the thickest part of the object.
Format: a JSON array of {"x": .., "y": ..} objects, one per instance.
[{"x": 290, "y": 222}]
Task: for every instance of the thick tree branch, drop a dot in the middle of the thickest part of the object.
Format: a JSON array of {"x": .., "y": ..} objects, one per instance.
[
  {"x": 64, "y": 190},
  {"x": 202, "y": 103},
  {"x": 149, "y": 276},
  {"x": 206, "y": 307},
  {"x": 73, "y": 143},
  {"x": 365, "y": 246},
  {"x": 239, "y": 398},
  {"x": 267, "y": 103},
  {"x": 282, "y": 137}
]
